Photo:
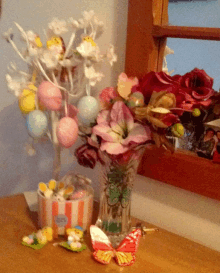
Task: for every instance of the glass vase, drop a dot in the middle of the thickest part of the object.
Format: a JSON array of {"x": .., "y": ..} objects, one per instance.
[{"x": 118, "y": 174}]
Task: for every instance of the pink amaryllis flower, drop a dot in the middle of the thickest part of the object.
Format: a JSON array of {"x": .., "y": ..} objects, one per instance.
[{"x": 118, "y": 131}]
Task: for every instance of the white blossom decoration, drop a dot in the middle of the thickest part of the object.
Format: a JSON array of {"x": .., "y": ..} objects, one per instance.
[
  {"x": 92, "y": 75},
  {"x": 49, "y": 59},
  {"x": 86, "y": 49},
  {"x": 58, "y": 27},
  {"x": 112, "y": 57}
]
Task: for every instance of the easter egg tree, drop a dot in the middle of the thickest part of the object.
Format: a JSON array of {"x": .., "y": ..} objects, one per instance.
[{"x": 61, "y": 74}]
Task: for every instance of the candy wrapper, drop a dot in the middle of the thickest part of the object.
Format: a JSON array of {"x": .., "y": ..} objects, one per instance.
[{"x": 65, "y": 204}]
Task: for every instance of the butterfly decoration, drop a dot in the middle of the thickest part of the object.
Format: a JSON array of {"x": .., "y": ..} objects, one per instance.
[{"x": 124, "y": 254}]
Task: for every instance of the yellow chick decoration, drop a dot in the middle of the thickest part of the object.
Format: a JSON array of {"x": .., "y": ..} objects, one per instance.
[
  {"x": 38, "y": 239},
  {"x": 34, "y": 44},
  {"x": 89, "y": 40},
  {"x": 56, "y": 44},
  {"x": 38, "y": 41},
  {"x": 27, "y": 99},
  {"x": 48, "y": 232},
  {"x": 41, "y": 238},
  {"x": 76, "y": 230},
  {"x": 75, "y": 239}
]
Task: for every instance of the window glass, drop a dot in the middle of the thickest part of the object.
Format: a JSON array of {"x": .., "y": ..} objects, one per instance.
[
  {"x": 203, "y": 13},
  {"x": 189, "y": 54}
]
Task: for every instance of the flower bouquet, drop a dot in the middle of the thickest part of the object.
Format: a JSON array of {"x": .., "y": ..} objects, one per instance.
[{"x": 133, "y": 115}]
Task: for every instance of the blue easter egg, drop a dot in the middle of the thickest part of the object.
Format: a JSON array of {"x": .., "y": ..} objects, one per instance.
[
  {"x": 37, "y": 123},
  {"x": 88, "y": 108}
]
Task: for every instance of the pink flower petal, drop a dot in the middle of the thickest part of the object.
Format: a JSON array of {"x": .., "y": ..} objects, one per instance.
[
  {"x": 103, "y": 117},
  {"x": 105, "y": 132},
  {"x": 116, "y": 128},
  {"x": 113, "y": 148},
  {"x": 121, "y": 114},
  {"x": 138, "y": 135}
]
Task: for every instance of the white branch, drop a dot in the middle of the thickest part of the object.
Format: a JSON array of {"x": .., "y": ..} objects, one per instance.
[
  {"x": 49, "y": 80},
  {"x": 69, "y": 45},
  {"x": 54, "y": 121},
  {"x": 16, "y": 50},
  {"x": 70, "y": 79},
  {"x": 93, "y": 33},
  {"x": 24, "y": 34},
  {"x": 42, "y": 70}
]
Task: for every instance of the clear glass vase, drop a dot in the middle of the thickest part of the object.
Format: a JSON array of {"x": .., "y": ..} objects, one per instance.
[{"x": 118, "y": 174}]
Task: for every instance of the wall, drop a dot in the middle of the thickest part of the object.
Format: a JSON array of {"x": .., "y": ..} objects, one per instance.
[{"x": 190, "y": 215}]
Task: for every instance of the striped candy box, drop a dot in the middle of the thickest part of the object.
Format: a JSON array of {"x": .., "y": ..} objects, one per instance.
[{"x": 66, "y": 214}]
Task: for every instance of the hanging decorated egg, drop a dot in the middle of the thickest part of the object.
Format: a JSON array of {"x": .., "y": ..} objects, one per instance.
[
  {"x": 27, "y": 101},
  {"x": 136, "y": 99},
  {"x": 37, "y": 123},
  {"x": 88, "y": 108},
  {"x": 67, "y": 132},
  {"x": 50, "y": 96}
]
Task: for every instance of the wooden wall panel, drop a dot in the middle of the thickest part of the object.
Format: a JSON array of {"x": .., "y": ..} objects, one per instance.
[{"x": 188, "y": 172}]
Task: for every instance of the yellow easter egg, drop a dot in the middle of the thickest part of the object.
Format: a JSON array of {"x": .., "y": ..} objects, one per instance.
[
  {"x": 52, "y": 184},
  {"x": 27, "y": 101},
  {"x": 42, "y": 186}
]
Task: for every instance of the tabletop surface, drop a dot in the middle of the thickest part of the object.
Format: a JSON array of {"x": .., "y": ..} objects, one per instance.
[{"x": 159, "y": 252}]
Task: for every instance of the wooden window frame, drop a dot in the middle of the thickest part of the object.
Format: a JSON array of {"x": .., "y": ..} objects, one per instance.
[{"x": 147, "y": 33}]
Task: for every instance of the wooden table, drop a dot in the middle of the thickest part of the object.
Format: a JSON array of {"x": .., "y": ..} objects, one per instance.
[{"x": 159, "y": 252}]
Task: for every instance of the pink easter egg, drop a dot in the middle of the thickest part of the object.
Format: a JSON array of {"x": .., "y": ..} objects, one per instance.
[
  {"x": 50, "y": 96},
  {"x": 67, "y": 132}
]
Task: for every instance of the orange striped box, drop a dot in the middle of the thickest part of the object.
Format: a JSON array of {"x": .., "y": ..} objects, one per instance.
[{"x": 66, "y": 214}]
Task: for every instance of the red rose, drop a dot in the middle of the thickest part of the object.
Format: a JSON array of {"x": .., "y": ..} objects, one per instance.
[
  {"x": 157, "y": 81},
  {"x": 191, "y": 90},
  {"x": 198, "y": 84},
  {"x": 86, "y": 156},
  {"x": 170, "y": 119}
]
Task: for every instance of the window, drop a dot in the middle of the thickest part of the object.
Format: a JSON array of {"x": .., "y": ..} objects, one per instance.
[{"x": 147, "y": 32}]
